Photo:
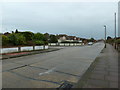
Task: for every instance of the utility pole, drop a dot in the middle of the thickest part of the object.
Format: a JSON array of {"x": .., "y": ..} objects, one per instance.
[
  {"x": 115, "y": 30},
  {"x": 105, "y": 35}
]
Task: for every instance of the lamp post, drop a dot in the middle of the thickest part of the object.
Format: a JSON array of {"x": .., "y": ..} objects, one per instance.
[
  {"x": 105, "y": 35},
  {"x": 115, "y": 30}
]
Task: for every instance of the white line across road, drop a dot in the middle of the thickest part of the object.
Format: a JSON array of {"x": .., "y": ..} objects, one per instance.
[{"x": 48, "y": 70}]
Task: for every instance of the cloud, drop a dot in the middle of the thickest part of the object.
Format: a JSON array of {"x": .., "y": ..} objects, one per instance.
[{"x": 81, "y": 19}]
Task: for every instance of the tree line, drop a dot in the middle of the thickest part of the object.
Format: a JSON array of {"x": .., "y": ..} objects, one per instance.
[
  {"x": 111, "y": 40},
  {"x": 114, "y": 42},
  {"x": 26, "y": 38}
]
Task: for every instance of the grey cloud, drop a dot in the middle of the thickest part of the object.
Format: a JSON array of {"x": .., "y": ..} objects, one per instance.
[{"x": 81, "y": 19}]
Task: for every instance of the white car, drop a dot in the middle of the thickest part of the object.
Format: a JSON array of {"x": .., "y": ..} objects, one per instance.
[{"x": 90, "y": 43}]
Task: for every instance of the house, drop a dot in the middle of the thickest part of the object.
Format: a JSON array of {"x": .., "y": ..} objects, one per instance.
[
  {"x": 71, "y": 38},
  {"x": 62, "y": 37}
]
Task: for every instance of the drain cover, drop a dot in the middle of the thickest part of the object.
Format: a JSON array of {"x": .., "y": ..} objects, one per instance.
[{"x": 65, "y": 85}]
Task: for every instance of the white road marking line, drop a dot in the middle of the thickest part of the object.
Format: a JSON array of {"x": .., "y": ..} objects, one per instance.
[{"x": 47, "y": 72}]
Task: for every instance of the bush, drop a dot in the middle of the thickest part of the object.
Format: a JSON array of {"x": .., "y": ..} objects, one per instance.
[
  {"x": 38, "y": 42},
  {"x": 117, "y": 41},
  {"x": 46, "y": 42},
  {"x": 111, "y": 41},
  {"x": 17, "y": 39},
  {"x": 29, "y": 43},
  {"x": 53, "y": 39},
  {"x": 5, "y": 40},
  {"x": 12, "y": 39},
  {"x": 28, "y": 35},
  {"x": 39, "y": 36},
  {"x": 21, "y": 40}
]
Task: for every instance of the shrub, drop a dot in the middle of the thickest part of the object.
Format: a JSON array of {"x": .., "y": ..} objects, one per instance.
[
  {"x": 17, "y": 39},
  {"x": 38, "y": 42},
  {"x": 46, "y": 42},
  {"x": 117, "y": 41},
  {"x": 28, "y": 35},
  {"x": 53, "y": 39},
  {"x": 12, "y": 39},
  {"x": 111, "y": 41},
  {"x": 21, "y": 40},
  {"x": 5, "y": 40},
  {"x": 39, "y": 36},
  {"x": 29, "y": 43}
]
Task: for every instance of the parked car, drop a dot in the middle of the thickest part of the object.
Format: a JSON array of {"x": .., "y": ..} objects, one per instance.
[{"x": 90, "y": 43}]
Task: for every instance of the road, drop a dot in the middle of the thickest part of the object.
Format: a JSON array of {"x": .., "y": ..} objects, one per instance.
[{"x": 48, "y": 70}]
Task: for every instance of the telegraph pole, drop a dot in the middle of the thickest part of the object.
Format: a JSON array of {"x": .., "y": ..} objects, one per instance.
[{"x": 105, "y": 35}]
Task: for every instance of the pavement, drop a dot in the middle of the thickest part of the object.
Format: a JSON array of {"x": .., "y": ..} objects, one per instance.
[
  {"x": 104, "y": 72},
  {"x": 49, "y": 70}
]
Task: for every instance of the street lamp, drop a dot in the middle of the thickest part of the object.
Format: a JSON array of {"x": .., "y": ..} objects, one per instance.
[
  {"x": 115, "y": 30},
  {"x": 105, "y": 35}
]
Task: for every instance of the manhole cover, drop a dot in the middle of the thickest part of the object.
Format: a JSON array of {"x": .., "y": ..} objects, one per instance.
[{"x": 65, "y": 85}]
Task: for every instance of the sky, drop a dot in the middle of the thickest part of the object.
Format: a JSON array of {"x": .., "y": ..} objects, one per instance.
[{"x": 82, "y": 19}]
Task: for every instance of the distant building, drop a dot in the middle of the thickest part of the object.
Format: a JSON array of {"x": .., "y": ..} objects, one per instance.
[
  {"x": 64, "y": 37},
  {"x": 71, "y": 38}
]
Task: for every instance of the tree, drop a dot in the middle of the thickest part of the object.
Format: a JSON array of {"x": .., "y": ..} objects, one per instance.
[
  {"x": 39, "y": 39},
  {"x": 111, "y": 41},
  {"x": 91, "y": 40},
  {"x": 6, "y": 33},
  {"x": 12, "y": 39},
  {"x": 21, "y": 40},
  {"x": 12, "y": 31},
  {"x": 108, "y": 38},
  {"x": 16, "y": 31},
  {"x": 28, "y": 35},
  {"x": 39, "y": 36},
  {"x": 5, "y": 40},
  {"x": 53, "y": 39},
  {"x": 38, "y": 42},
  {"x": 17, "y": 39},
  {"x": 47, "y": 37},
  {"x": 117, "y": 41}
]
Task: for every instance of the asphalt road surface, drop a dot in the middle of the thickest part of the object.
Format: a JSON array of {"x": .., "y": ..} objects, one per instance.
[{"x": 48, "y": 70}]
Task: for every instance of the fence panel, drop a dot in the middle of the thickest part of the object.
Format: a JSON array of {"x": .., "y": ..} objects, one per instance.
[
  {"x": 66, "y": 44},
  {"x": 6, "y": 50},
  {"x": 26, "y": 48}
]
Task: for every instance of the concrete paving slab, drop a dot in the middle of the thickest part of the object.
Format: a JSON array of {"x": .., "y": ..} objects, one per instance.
[
  {"x": 98, "y": 83},
  {"x": 44, "y": 74},
  {"x": 77, "y": 66},
  {"x": 21, "y": 82},
  {"x": 105, "y": 72},
  {"x": 9, "y": 66},
  {"x": 51, "y": 68},
  {"x": 59, "y": 77},
  {"x": 28, "y": 71}
]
